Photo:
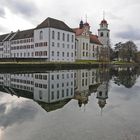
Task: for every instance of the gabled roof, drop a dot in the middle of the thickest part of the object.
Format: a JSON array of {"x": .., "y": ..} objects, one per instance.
[
  {"x": 2, "y": 37},
  {"x": 54, "y": 23},
  {"x": 24, "y": 34},
  {"x": 9, "y": 36},
  {"x": 94, "y": 39},
  {"x": 78, "y": 31}
]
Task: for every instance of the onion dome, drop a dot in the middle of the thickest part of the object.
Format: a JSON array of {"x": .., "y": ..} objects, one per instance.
[
  {"x": 103, "y": 21},
  {"x": 102, "y": 104},
  {"x": 86, "y": 24}
]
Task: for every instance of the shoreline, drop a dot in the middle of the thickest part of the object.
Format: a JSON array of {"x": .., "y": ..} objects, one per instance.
[{"x": 38, "y": 66}]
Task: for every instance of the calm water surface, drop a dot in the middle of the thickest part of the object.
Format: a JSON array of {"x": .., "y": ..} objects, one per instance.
[{"x": 95, "y": 104}]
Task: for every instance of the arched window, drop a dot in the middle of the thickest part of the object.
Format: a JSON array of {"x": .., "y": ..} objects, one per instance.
[
  {"x": 102, "y": 34},
  {"x": 41, "y": 35}
]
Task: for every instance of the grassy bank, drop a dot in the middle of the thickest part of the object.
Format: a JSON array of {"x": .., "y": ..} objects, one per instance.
[{"x": 81, "y": 64}]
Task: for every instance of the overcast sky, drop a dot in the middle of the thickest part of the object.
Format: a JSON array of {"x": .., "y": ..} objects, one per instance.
[{"x": 123, "y": 16}]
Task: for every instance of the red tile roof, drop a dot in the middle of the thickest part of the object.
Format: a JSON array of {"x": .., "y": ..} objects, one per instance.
[
  {"x": 94, "y": 39},
  {"x": 78, "y": 31}
]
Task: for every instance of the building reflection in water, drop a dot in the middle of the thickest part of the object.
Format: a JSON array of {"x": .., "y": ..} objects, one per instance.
[{"x": 54, "y": 89}]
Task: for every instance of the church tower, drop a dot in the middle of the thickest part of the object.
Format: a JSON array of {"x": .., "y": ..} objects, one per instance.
[
  {"x": 102, "y": 95},
  {"x": 104, "y": 33}
]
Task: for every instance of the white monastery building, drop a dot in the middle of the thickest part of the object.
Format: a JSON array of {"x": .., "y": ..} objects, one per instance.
[{"x": 53, "y": 40}]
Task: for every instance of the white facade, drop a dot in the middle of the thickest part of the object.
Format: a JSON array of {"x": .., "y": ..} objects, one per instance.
[
  {"x": 52, "y": 40},
  {"x": 104, "y": 34},
  {"x": 62, "y": 45},
  {"x": 22, "y": 48},
  {"x": 46, "y": 87},
  {"x": 87, "y": 45}
]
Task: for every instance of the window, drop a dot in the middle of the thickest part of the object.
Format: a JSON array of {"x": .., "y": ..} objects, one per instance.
[
  {"x": 57, "y": 94},
  {"x": 71, "y": 54},
  {"x": 57, "y": 76},
  {"x": 52, "y": 43},
  {"x": 83, "y": 74},
  {"x": 63, "y": 76},
  {"x": 63, "y": 45},
  {"x": 45, "y": 53},
  {"x": 82, "y": 82},
  {"x": 83, "y": 53},
  {"x": 57, "y": 53},
  {"x": 67, "y": 92},
  {"x": 102, "y": 34},
  {"x": 72, "y": 47},
  {"x": 52, "y": 53},
  {"x": 68, "y": 46},
  {"x": 72, "y": 38},
  {"x": 67, "y": 83},
  {"x": 71, "y": 75},
  {"x": 87, "y": 46},
  {"x": 71, "y": 91},
  {"x": 44, "y": 86},
  {"x": 63, "y": 54},
  {"x": 93, "y": 48},
  {"x": 52, "y": 95},
  {"x": 107, "y": 34},
  {"x": 100, "y": 93},
  {"x": 63, "y": 37},
  {"x": 41, "y": 35},
  {"x": 45, "y": 77},
  {"x": 52, "y": 86},
  {"x": 68, "y": 37},
  {"x": 67, "y": 54},
  {"x": 62, "y": 84},
  {"x": 86, "y": 82},
  {"x": 58, "y": 35},
  {"x": 83, "y": 46},
  {"x": 58, "y": 45},
  {"x": 53, "y": 34},
  {"x": 52, "y": 77},
  {"x": 62, "y": 93},
  {"x": 40, "y": 95}
]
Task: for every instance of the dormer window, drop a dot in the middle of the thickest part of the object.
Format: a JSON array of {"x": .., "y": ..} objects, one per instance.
[{"x": 41, "y": 35}]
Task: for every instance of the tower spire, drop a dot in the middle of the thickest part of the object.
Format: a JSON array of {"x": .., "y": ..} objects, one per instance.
[
  {"x": 103, "y": 15},
  {"x": 86, "y": 18}
]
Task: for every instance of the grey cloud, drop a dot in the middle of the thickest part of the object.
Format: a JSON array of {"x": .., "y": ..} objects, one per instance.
[
  {"x": 133, "y": 92},
  {"x": 129, "y": 34},
  {"x": 3, "y": 29},
  {"x": 113, "y": 16},
  {"x": 2, "y": 108},
  {"x": 25, "y": 8},
  {"x": 23, "y": 112},
  {"x": 2, "y": 12}
]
